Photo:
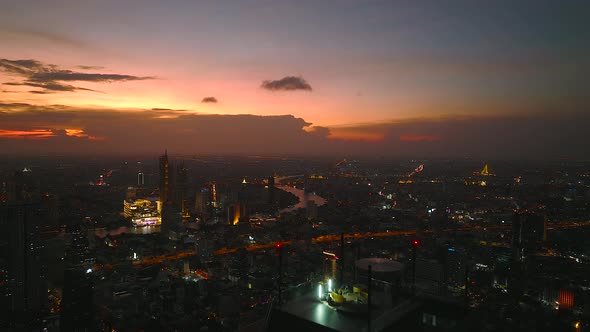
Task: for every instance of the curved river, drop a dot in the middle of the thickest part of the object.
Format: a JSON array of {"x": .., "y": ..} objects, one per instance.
[{"x": 303, "y": 198}]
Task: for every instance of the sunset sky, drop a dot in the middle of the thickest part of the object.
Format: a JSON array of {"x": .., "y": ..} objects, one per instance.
[{"x": 456, "y": 77}]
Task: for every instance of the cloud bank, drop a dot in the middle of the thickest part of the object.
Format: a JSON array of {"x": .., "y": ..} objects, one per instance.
[{"x": 31, "y": 129}]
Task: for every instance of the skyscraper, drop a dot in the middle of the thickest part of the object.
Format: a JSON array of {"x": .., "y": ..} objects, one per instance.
[
  {"x": 22, "y": 251},
  {"x": 181, "y": 188},
  {"x": 528, "y": 233},
  {"x": 271, "y": 190},
  {"x": 165, "y": 180},
  {"x": 140, "y": 179},
  {"x": 202, "y": 198}
]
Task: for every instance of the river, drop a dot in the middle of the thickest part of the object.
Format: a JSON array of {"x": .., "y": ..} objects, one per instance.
[
  {"x": 303, "y": 198},
  {"x": 102, "y": 232}
]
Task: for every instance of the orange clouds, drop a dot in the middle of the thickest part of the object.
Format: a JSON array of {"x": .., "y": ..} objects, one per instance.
[
  {"x": 27, "y": 134},
  {"x": 81, "y": 134},
  {"x": 41, "y": 134}
]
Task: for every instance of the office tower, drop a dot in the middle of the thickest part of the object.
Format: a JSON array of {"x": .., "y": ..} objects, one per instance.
[
  {"x": 181, "y": 189},
  {"x": 140, "y": 179},
  {"x": 201, "y": 201},
  {"x": 455, "y": 267},
  {"x": 165, "y": 179},
  {"x": 528, "y": 233},
  {"x": 78, "y": 253}
]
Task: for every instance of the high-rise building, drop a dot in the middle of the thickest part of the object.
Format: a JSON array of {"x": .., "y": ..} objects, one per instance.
[
  {"x": 78, "y": 253},
  {"x": 214, "y": 201},
  {"x": 241, "y": 208},
  {"x": 165, "y": 179},
  {"x": 140, "y": 179},
  {"x": 271, "y": 190},
  {"x": 455, "y": 266},
  {"x": 528, "y": 233},
  {"x": 22, "y": 251},
  {"x": 201, "y": 201},
  {"x": 181, "y": 189}
]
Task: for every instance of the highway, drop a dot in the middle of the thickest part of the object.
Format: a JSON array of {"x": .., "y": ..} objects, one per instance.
[{"x": 327, "y": 238}]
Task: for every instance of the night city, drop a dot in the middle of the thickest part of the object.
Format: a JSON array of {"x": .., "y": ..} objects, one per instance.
[{"x": 261, "y": 165}]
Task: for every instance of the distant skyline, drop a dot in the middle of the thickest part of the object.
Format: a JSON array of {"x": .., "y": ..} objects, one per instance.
[{"x": 344, "y": 77}]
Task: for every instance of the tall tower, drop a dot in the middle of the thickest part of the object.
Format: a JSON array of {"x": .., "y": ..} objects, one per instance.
[
  {"x": 243, "y": 204},
  {"x": 180, "y": 195},
  {"x": 165, "y": 180},
  {"x": 140, "y": 178}
]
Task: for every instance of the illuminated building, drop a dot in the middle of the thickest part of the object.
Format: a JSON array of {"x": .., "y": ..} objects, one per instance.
[
  {"x": 244, "y": 213},
  {"x": 485, "y": 171},
  {"x": 140, "y": 179},
  {"x": 201, "y": 201},
  {"x": 566, "y": 299},
  {"x": 165, "y": 179},
  {"x": 142, "y": 212}
]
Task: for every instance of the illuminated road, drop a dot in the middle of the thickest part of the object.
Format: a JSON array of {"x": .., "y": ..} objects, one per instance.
[{"x": 328, "y": 238}]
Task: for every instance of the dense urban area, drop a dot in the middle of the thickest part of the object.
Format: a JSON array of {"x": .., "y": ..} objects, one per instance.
[{"x": 254, "y": 243}]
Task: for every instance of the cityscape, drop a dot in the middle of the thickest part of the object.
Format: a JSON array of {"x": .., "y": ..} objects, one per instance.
[
  {"x": 190, "y": 242},
  {"x": 294, "y": 166}
]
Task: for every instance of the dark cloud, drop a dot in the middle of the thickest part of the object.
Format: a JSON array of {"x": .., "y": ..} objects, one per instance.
[
  {"x": 148, "y": 131},
  {"x": 287, "y": 83},
  {"x": 209, "y": 100},
  {"x": 49, "y": 77},
  {"x": 533, "y": 136}
]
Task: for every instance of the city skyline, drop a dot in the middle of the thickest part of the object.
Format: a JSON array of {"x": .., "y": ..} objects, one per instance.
[{"x": 345, "y": 78}]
